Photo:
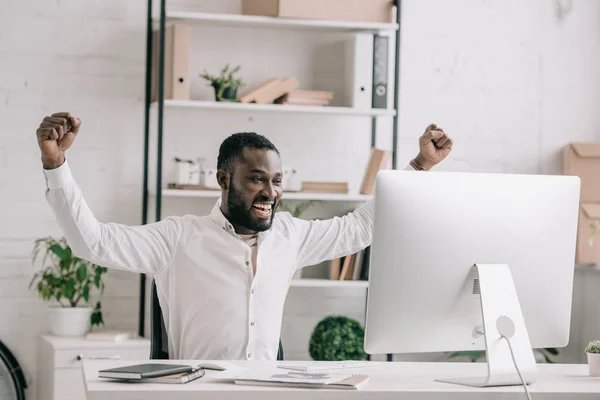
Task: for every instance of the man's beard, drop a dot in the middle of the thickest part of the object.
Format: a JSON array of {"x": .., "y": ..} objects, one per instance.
[{"x": 239, "y": 214}]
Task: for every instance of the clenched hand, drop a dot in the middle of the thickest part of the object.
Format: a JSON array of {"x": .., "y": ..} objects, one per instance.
[
  {"x": 55, "y": 135},
  {"x": 434, "y": 146}
]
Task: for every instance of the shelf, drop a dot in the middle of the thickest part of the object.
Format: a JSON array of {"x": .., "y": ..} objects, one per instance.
[
  {"x": 286, "y": 195},
  {"x": 276, "y": 108},
  {"x": 276, "y": 22},
  {"x": 328, "y": 283}
]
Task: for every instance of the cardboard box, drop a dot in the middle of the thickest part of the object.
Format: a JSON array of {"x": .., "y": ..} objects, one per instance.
[
  {"x": 583, "y": 160},
  {"x": 588, "y": 253},
  {"x": 335, "y": 10}
]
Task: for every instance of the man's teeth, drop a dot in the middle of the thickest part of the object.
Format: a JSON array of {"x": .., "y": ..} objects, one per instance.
[{"x": 265, "y": 207}]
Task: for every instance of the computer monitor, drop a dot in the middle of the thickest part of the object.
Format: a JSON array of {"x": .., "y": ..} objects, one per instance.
[{"x": 450, "y": 249}]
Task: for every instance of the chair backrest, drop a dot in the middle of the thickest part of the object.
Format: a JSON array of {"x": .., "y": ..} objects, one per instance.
[{"x": 159, "y": 344}]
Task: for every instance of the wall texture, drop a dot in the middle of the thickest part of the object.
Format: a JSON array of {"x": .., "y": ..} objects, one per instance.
[{"x": 511, "y": 81}]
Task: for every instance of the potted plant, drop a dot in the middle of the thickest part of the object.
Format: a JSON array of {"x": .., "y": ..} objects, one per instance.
[
  {"x": 337, "y": 338},
  {"x": 67, "y": 282},
  {"x": 593, "y": 356},
  {"x": 595, "y": 229},
  {"x": 224, "y": 84}
]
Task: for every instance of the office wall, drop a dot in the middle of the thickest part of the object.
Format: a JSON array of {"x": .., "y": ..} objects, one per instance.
[{"x": 511, "y": 81}]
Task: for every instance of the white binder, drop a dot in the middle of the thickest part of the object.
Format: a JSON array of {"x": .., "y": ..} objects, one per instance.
[{"x": 359, "y": 71}]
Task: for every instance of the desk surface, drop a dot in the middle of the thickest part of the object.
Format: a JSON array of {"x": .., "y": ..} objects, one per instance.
[{"x": 389, "y": 380}]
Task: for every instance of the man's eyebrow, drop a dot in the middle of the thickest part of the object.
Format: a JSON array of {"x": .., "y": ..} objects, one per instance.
[{"x": 260, "y": 171}]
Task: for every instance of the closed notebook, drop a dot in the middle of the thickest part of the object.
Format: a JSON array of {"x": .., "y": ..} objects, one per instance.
[
  {"x": 184, "y": 377},
  {"x": 144, "y": 371}
]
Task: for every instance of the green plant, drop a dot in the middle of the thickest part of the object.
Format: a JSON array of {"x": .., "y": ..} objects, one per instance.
[
  {"x": 595, "y": 228},
  {"x": 337, "y": 338},
  {"x": 224, "y": 80},
  {"x": 297, "y": 210},
  {"x": 65, "y": 278},
  {"x": 593, "y": 347},
  {"x": 541, "y": 355}
]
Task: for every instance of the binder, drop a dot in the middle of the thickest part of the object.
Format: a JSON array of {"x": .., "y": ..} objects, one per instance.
[
  {"x": 176, "y": 74},
  {"x": 359, "y": 71},
  {"x": 380, "y": 71}
]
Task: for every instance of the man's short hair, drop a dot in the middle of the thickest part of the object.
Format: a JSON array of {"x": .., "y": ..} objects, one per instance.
[{"x": 234, "y": 145}]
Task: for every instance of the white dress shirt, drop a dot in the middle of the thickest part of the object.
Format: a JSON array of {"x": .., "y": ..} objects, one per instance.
[{"x": 214, "y": 306}]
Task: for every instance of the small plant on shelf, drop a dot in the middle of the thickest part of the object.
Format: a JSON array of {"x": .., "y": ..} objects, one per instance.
[
  {"x": 68, "y": 282},
  {"x": 593, "y": 355},
  {"x": 225, "y": 84},
  {"x": 297, "y": 210},
  {"x": 595, "y": 228}
]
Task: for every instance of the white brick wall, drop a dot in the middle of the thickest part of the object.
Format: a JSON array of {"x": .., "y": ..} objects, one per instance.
[{"x": 509, "y": 80}]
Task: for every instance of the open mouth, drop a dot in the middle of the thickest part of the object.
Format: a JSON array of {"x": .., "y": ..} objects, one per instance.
[{"x": 263, "y": 209}]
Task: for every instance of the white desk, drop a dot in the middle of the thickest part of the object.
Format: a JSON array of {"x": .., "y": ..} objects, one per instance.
[{"x": 393, "y": 380}]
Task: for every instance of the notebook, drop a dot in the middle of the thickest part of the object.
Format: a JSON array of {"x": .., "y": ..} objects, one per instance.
[
  {"x": 144, "y": 371},
  {"x": 184, "y": 377},
  {"x": 305, "y": 380},
  {"x": 328, "y": 365}
]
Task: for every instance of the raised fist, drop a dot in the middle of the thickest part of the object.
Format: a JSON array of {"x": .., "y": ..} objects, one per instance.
[{"x": 55, "y": 135}]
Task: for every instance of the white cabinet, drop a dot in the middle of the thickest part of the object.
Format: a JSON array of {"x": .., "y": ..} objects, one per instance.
[{"x": 59, "y": 373}]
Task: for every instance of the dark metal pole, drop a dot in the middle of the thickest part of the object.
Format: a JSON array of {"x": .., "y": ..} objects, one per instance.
[
  {"x": 373, "y": 131},
  {"x": 142, "y": 301},
  {"x": 396, "y": 87},
  {"x": 161, "y": 95}
]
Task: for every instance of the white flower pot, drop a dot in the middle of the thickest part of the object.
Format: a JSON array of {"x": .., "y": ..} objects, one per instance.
[
  {"x": 70, "y": 321},
  {"x": 594, "y": 364}
]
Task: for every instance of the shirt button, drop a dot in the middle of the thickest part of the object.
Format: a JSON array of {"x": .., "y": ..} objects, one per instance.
[
  {"x": 252, "y": 291},
  {"x": 252, "y": 323},
  {"x": 247, "y": 262},
  {"x": 249, "y": 355}
]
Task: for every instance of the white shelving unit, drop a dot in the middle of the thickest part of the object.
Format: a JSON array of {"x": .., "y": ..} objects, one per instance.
[
  {"x": 328, "y": 283},
  {"x": 278, "y": 108},
  {"x": 279, "y": 23},
  {"x": 259, "y": 22},
  {"x": 286, "y": 196}
]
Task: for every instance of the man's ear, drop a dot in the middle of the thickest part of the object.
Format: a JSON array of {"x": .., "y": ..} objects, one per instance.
[{"x": 223, "y": 179}]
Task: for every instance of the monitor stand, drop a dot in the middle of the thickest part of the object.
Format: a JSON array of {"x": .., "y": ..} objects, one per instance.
[{"x": 502, "y": 314}]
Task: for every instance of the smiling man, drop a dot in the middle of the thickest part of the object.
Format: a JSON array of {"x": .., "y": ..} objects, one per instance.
[{"x": 221, "y": 279}]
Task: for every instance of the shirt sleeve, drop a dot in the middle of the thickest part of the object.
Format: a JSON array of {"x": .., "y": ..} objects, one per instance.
[
  {"x": 145, "y": 249},
  {"x": 335, "y": 237}
]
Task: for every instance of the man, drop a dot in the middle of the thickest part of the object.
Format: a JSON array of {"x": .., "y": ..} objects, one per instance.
[{"x": 221, "y": 279}]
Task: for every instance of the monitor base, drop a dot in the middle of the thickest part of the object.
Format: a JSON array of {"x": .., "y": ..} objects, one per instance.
[{"x": 502, "y": 321}]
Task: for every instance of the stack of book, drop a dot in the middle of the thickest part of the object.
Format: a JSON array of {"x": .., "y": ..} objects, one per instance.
[
  {"x": 306, "y": 98},
  {"x": 269, "y": 90},
  {"x": 284, "y": 91},
  {"x": 154, "y": 373},
  {"x": 325, "y": 187}
]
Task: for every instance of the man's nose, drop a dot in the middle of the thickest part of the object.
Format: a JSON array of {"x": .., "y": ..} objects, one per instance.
[{"x": 269, "y": 191}]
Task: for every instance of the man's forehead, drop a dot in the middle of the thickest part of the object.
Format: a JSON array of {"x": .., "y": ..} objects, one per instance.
[{"x": 252, "y": 158}]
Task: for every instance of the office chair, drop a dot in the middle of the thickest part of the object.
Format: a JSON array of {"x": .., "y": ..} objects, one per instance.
[{"x": 159, "y": 347}]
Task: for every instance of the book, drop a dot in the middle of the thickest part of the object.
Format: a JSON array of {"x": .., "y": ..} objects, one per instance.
[
  {"x": 379, "y": 160},
  {"x": 183, "y": 377},
  {"x": 144, "y": 371},
  {"x": 300, "y": 379}
]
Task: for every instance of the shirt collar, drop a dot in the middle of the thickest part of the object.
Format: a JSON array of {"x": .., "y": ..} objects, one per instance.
[{"x": 217, "y": 216}]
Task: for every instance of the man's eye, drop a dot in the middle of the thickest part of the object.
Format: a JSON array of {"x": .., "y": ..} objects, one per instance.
[
  {"x": 256, "y": 179},
  {"x": 277, "y": 181}
]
